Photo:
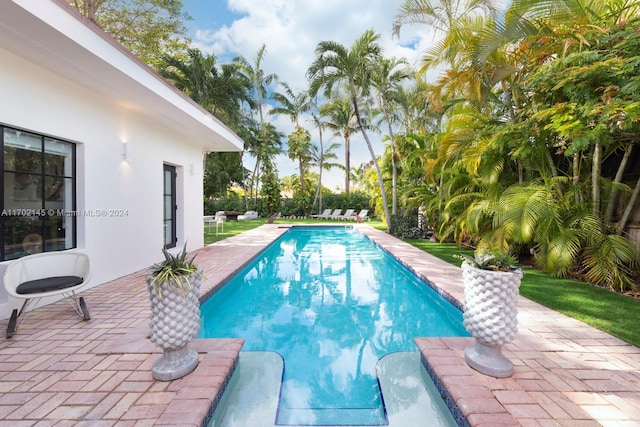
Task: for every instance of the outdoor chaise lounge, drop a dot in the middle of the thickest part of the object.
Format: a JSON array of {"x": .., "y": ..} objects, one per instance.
[
  {"x": 335, "y": 214},
  {"x": 347, "y": 215},
  {"x": 47, "y": 274},
  {"x": 323, "y": 215},
  {"x": 363, "y": 215},
  {"x": 248, "y": 215}
]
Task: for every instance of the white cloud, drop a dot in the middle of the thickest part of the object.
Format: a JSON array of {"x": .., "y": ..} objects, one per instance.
[{"x": 291, "y": 31}]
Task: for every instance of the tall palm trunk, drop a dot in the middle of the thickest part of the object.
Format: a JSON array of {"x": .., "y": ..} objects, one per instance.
[
  {"x": 614, "y": 188},
  {"x": 394, "y": 172},
  {"x": 385, "y": 203},
  {"x": 576, "y": 176},
  {"x": 347, "y": 162},
  {"x": 627, "y": 212},
  {"x": 303, "y": 187},
  {"x": 318, "y": 196},
  {"x": 512, "y": 116},
  {"x": 595, "y": 178},
  {"x": 244, "y": 184}
]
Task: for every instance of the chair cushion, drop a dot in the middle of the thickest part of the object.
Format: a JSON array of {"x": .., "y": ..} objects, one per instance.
[{"x": 48, "y": 284}]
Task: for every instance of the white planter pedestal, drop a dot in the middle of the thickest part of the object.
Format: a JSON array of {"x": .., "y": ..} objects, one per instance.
[
  {"x": 490, "y": 316},
  {"x": 175, "y": 321}
]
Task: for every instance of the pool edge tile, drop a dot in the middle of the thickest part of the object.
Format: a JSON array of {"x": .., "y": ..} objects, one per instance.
[{"x": 453, "y": 377}]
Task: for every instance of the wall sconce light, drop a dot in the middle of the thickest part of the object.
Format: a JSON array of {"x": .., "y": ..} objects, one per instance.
[{"x": 126, "y": 152}]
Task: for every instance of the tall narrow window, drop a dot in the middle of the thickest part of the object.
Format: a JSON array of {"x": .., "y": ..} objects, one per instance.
[
  {"x": 38, "y": 194},
  {"x": 170, "y": 207}
]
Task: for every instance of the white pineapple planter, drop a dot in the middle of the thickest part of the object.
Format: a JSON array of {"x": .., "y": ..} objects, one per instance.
[
  {"x": 490, "y": 316},
  {"x": 175, "y": 321}
]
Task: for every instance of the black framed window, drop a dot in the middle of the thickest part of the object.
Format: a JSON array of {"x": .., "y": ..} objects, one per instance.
[
  {"x": 170, "y": 207},
  {"x": 38, "y": 194}
]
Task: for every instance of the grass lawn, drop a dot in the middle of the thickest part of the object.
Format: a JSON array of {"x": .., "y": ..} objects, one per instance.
[{"x": 610, "y": 312}]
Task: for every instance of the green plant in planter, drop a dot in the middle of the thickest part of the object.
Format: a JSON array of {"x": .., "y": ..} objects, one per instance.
[
  {"x": 175, "y": 269},
  {"x": 497, "y": 260}
]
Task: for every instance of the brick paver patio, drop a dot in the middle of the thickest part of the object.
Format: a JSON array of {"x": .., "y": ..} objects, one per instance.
[{"x": 59, "y": 370}]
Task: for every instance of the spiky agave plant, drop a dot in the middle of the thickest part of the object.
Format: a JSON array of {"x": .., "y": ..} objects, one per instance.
[
  {"x": 495, "y": 261},
  {"x": 176, "y": 269}
]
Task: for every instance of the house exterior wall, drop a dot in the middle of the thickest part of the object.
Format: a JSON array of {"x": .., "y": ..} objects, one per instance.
[{"x": 129, "y": 237}]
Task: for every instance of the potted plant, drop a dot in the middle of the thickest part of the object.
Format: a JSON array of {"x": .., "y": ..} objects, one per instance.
[
  {"x": 491, "y": 284},
  {"x": 174, "y": 289}
]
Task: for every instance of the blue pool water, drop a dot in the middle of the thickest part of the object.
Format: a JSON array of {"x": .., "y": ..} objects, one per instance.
[{"x": 331, "y": 303}]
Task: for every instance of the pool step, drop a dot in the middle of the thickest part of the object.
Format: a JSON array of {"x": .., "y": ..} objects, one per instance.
[
  {"x": 331, "y": 417},
  {"x": 251, "y": 398}
]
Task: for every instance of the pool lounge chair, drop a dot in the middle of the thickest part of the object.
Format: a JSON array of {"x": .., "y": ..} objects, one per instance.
[
  {"x": 362, "y": 215},
  {"x": 335, "y": 214},
  {"x": 323, "y": 215},
  {"x": 46, "y": 274},
  {"x": 248, "y": 215},
  {"x": 347, "y": 215}
]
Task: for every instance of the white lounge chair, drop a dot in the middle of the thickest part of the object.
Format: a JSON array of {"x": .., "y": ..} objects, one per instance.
[
  {"x": 335, "y": 214},
  {"x": 248, "y": 215},
  {"x": 47, "y": 274},
  {"x": 362, "y": 215},
  {"x": 347, "y": 215},
  {"x": 323, "y": 215}
]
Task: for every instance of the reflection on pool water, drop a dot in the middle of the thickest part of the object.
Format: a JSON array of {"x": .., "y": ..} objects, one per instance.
[{"x": 331, "y": 303}]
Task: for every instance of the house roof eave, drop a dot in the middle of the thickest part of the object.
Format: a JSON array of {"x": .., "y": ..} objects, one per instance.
[{"x": 55, "y": 36}]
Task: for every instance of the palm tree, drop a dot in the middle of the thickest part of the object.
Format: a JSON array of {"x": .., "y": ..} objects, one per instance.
[
  {"x": 291, "y": 104},
  {"x": 318, "y": 157},
  {"x": 300, "y": 149},
  {"x": 447, "y": 17},
  {"x": 336, "y": 64},
  {"x": 387, "y": 77},
  {"x": 222, "y": 91},
  {"x": 341, "y": 120},
  {"x": 259, "y": 85},
  {"x": 322, "y": 158}
]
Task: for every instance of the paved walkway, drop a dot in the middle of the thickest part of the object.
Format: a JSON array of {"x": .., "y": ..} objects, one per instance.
[{"x": 59, "y": 370}]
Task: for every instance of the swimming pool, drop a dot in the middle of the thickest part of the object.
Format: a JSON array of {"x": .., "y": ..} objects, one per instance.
[{"x": 332, "y": 303}]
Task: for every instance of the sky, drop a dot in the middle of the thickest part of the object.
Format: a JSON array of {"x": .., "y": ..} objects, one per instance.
[{"x": 291, "y": 30}]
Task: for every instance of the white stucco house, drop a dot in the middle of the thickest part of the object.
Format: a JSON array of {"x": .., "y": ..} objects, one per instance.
[{"x": 99, "y": 152}]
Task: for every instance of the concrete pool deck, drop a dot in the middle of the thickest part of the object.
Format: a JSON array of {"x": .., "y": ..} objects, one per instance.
[{"x": 59, "y": 370}]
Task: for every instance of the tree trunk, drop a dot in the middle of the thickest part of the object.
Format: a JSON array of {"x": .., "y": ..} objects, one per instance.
[
  {"x": 627, "y": 212},
  {"x": 552, "y": 166},
  {"x": 394, "y": 172},
  {"x": 576, "y": 176},
  {"x": 618, "y": 179},
  {"x": 255, "y": 177},
  {"x": 303, "y": 187},
  {"x": 512, "y": 117},
  {"x": 347, "y": 161},
  {"x": 244, "y": 184},
  {"x": 318, "y": 196},
  {"x": 595, "y": 178},
  {"x": 385, "y": 206}
]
